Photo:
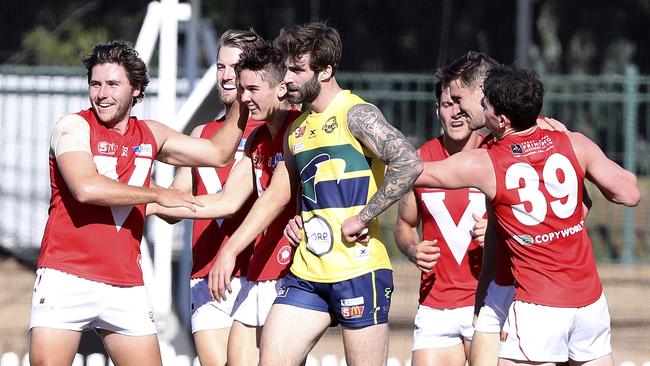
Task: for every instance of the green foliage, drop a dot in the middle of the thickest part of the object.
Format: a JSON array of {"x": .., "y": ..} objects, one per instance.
[{"x": 64, "y": 49}]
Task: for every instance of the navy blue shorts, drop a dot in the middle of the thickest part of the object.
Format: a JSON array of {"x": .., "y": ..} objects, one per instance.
[{"x": 353, "y": 303}]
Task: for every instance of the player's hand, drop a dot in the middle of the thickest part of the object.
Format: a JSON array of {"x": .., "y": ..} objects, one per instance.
[
  {"x": 293, "y": 230},
  {"x": 553, "y": 124},
  {"x": 220, "y": 274},
  {"x": 355, "y": 230},
  {"x": 425, "y": 255},
  {"x": 176, "y": 198},
  {"x": 478, "y": 232}
]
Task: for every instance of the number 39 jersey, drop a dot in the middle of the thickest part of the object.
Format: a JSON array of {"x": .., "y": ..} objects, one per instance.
[
  {"x": 339, "y": 176},
  {"x": 538, "y": 206},
  {"x": 101, "y": 243},
  {"x": 447, "y": 217}
]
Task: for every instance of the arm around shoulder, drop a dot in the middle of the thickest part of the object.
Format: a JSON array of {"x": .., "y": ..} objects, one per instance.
[{"x": 617, "y": 184}]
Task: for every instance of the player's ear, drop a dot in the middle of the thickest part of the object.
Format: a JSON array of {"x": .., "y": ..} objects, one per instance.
[
  {"x": 325, "y": 74},
  {"x": 281, "y": 90},
  {"x": 438, "y": 110}
]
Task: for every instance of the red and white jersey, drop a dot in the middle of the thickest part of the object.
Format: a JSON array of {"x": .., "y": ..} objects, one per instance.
[
  {"x": 538, "y": 206},
  {"x": 273, "y": 254},
  {"x": 209, "y": 235},
  {"x": 101, "y": 243},
  {"x": 447, "y": 216},
  {"x": 503, "y": 267}
]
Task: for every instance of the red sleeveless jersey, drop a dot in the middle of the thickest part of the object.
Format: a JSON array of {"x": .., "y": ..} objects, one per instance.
[
  {"x": 101, "y": 243},
  {"x": 503, "y": 266},
  {"x": 447, "y": 216},
  {"x": 273, "y": 254},
  {"x": 209, "y": 235},
  {"x": 538, "y": 205}
]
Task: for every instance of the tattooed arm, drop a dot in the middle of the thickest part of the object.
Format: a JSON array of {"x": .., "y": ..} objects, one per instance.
[{"x": 368, "y": 125}]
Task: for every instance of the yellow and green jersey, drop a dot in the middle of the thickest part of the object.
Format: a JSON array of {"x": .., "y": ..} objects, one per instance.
[{"x": 339, "y": 176}]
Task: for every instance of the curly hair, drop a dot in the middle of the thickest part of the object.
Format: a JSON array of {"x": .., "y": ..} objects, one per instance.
[
  {"x": 320, "y": 42},
  {"x": 121, "y": 53}
]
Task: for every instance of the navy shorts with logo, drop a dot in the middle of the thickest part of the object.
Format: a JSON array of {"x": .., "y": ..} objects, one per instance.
[{"x": 353, "y": 303}]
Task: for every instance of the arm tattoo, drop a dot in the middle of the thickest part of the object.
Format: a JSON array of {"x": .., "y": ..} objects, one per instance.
[{"x": 368, "y": 125}]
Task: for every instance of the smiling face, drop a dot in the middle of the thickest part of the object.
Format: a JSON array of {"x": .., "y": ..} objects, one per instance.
[
  {"x": 467, "y": 101},
  {"x": 226, "y": 77},
  {"x": 111, "y": 94},
  {"x": 261, "y": 98},
  {"x": 453, "y": 124},
  {"x": 301, "y": 81}
]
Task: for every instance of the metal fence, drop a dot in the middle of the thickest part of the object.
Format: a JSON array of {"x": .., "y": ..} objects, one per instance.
[{"x": 613, "y": 110}]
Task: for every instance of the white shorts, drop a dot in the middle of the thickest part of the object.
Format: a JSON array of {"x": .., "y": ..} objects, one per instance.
[
  {"x": 550, "y": 334},
  {"x": 64, "y": 301},
  {"x": 441, "y": 328},
  {"x": 208, "y": 314},
  {"x": 494, "y": 311},
  {"x": 254, "y": 301}
]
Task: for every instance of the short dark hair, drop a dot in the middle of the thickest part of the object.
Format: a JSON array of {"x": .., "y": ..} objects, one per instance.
[
  {"x": 516, "y": 93},
  {"x": 266, "y": 59},
  {"x": 121, "y": 53},
  {"x": 471, "y": 69},
  {"x": 438, "y": 90},
  {"x": 241, "y": 39},
  {"x": 320, "y": 42}
]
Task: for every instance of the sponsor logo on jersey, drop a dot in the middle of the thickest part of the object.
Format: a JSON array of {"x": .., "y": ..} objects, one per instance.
[
  {"x": 299, "y": 132},
  {"x": 330, "y": 125},
  {"x": 353, "y": 301},
  {"x": 104, "y": 147},
  {"x": 388, "y": 292},
  {"x": 255, "y": 158},
  {"x": 564, "y": 233},
  {"x": 143, "y": 150},
  {"x": 363, "y": 253},
  {"x": 319, "y": 235},
  {"x": 532, "y": 146},
  {"x": 352, "y": 312},
  {"x": 151, "y": 317},
  {"x": 125, "y": 151},
  {"x": 312, "y": 134},
  {"x": 523, "y": 239},
  {"x": 275, "y": 159},
  {"x": 298, "y": 147},
  {"x": 516, "y": 149},
  {"x": 284, "y": 255}
]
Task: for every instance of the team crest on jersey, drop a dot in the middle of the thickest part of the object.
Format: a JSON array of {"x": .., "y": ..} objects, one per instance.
[
  {"x": 330, "y": 125},
  {"x": 282, "y": 291},
  {"x": 299, "y": 132},
  {"x": 106, "y": 148},
  {"x": 284, "y": 255},
  {"x": 143, "y": 150}
]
